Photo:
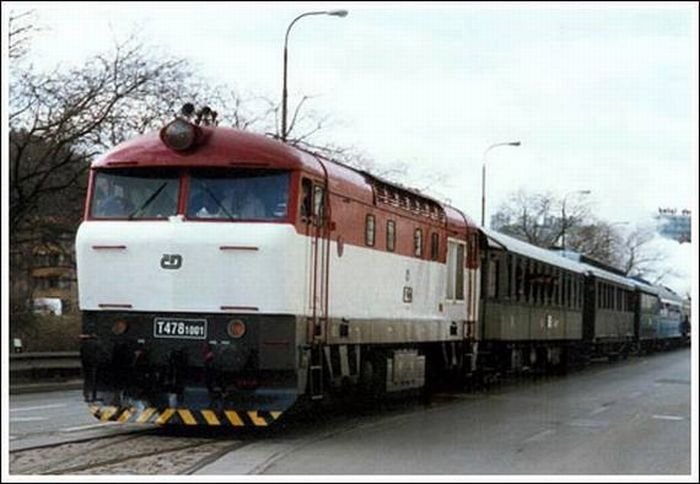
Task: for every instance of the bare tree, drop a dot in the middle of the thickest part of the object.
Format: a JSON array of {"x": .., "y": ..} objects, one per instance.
[
  {"x": 541, "y": 219},
  {"x": 21, "y": 25},
  {"x": 596, "y": 239},
  {"x": 637, "y": 258},
  {"x": 530, "y": 217},
  {"x": 61, "y": 120}
]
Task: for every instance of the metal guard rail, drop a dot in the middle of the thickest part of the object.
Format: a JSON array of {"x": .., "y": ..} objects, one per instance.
[{"x": 32, "y": 366}]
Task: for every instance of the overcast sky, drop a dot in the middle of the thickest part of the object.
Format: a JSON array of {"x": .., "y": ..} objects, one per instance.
[{"x": 602, "y": 97}]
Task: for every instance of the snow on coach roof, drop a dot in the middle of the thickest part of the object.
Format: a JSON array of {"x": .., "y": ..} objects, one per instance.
[{"x": 512, "y": 244}]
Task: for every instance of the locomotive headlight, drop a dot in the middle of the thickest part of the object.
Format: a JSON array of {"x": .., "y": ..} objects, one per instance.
[
  {"x": 119, "y": 327},
  {"x": 236, "y": 328},
  {"x": 179, "y": 135}
]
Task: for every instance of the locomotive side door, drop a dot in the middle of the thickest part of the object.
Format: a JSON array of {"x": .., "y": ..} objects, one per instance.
[{"x": 316, "y": 215}]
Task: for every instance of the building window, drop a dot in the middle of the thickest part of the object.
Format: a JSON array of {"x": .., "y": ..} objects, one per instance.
[
  {"x": 418, "y": 243},
  {"x": 391, "y": 236},
  {"x": 369, "y": 230}
]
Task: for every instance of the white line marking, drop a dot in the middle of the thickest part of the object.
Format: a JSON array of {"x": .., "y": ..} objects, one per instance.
[
  {"x": 598, "y": 410},
  {"x": 539, "y": 436},
  {"x": 28, "y": 419},
  {"x": 86, "y": 427},
  {"x": 667, "y": 417},
  {"x": 41, "y": 407}
]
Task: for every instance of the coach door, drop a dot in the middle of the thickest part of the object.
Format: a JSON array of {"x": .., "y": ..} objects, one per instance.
[{"x": 455, "y": 297}]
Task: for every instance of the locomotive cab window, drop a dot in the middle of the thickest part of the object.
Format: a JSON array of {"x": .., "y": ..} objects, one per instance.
[
  {"x": 135, "y": 194},
  {"x": 238, "y": 195}
]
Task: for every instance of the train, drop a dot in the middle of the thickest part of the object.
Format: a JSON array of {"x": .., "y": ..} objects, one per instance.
[{"x": 226, "y": 277}]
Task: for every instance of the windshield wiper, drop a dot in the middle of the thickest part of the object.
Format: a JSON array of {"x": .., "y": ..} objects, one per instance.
[
  {"x": 218, "y": 202},
  {"x": 148, "y": 200}
]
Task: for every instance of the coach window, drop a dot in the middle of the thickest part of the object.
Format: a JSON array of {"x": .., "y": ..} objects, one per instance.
[
  {"x": 519, "y": 279},
  {"x": 574, "y": 291},
  {"x": 579, "y": 291},
  {"x": 508, "y": 286},
  {"x": 418, "y": 243},
  {"x": 434, "y": 246},
  {"x": 539, "y": 287},
  {"x": 526, "y": 281},
  {"x": 391, "y": 236},
  {"x": 493, "y": 277},
  {"x": 369, "y": 230},
  {"x": 550, "y": 287}
]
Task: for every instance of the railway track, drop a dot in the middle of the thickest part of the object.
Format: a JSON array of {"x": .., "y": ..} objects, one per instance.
[
  {"x": 151, "y": 452},
  {"x": 183, "y": 451}
]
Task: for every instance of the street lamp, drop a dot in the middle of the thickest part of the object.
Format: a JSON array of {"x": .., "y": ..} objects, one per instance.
[
  {"x": 483, "y": 176},
  {"x": 335, "y": 13},
  {"x": 563, "y": 215}
]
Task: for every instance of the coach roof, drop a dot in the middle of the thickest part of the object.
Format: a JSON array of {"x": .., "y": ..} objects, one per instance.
[{"x": 511, "y": 244}]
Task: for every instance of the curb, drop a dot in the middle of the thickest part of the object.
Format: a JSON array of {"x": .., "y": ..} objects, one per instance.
[{"x": 22, "y": 388}]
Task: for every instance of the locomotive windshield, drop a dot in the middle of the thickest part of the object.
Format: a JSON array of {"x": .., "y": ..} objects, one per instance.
[
  {"x": 135, "y": 194},
  {"x": 238, "y": 195}
]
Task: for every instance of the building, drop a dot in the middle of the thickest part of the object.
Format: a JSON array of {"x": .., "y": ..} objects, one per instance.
[{"x": 673, "y": 224}]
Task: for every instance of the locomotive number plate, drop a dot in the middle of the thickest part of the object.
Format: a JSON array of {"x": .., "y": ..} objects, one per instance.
[{"x": 180, "y": 328}]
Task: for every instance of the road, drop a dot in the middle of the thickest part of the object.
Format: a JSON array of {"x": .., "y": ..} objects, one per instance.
[
  {"x": 630, "y": 417},
  {"x": 52, "y": 417}
]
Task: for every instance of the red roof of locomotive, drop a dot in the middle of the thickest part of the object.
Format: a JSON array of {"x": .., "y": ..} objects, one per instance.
[{"x": 229, "y": 147}]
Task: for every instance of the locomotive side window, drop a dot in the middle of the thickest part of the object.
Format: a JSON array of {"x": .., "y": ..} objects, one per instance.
[
  {"x": 238, "y": 195},
  {"x": 459, "y": 277},
  {"x": 305, "y": 198},
  {"x": 434, "y": 246},
  {"x": 135, "y": 194},
  {"x": 418, "y": 243},
  {"x": 391, "y": 236},
  {"x": 318, "y": 202},
  {"x": 370, "y": 230}
]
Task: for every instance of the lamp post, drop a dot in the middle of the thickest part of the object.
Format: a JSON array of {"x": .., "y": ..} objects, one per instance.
[
  {"x": 563, "y": 215},
  {"x": 335, "y": 13},
  {"x": 483, "y": 176}
]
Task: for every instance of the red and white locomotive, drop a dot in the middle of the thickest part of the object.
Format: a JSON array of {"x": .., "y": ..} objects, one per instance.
[{"x": 223, "y": 276}]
